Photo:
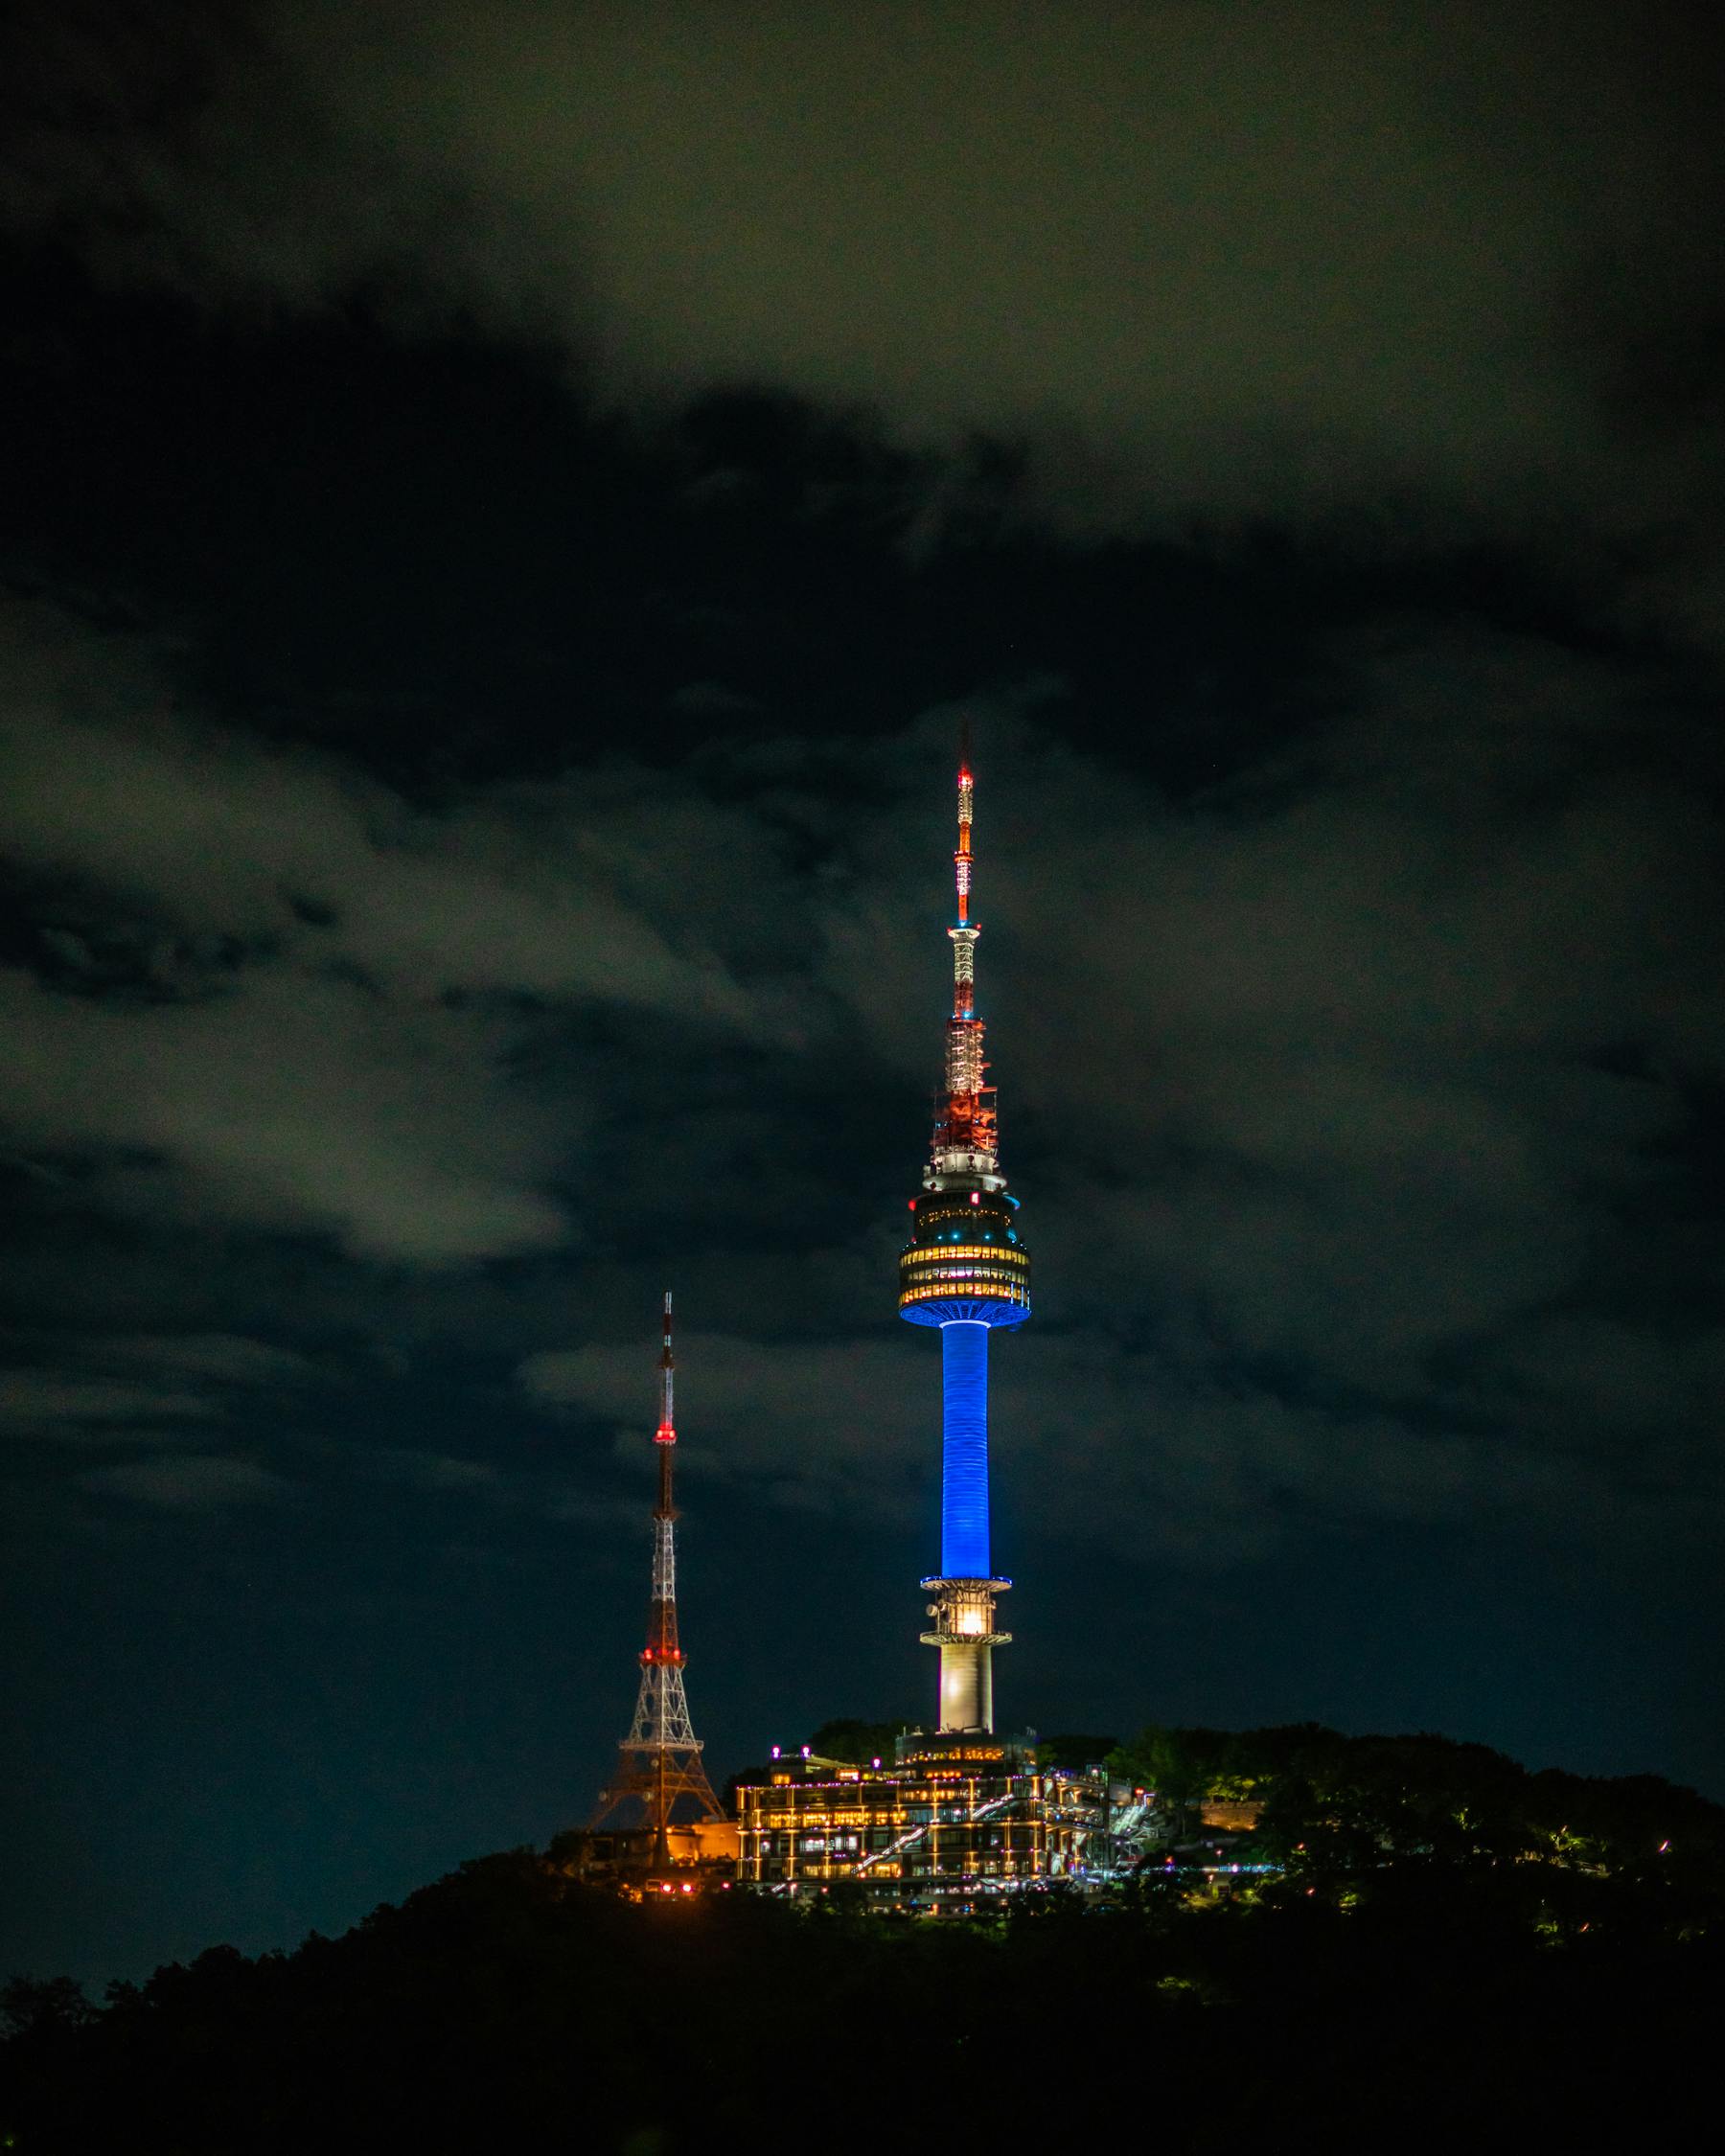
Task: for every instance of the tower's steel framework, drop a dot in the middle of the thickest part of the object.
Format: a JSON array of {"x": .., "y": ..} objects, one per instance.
[
  {"x": 966, "y": 1271},
  {"x": 660, "y": 1760}
]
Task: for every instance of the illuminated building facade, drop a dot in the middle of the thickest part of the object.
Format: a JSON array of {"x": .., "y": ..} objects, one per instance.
[
  {"x": 966, "y": 1271},
  {"x": 659, "y": 1774},
  {"x": 949, "y": 1826}
]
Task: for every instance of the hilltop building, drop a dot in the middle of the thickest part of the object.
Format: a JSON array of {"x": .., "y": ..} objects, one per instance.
[{"x": 946, "y": 1827}]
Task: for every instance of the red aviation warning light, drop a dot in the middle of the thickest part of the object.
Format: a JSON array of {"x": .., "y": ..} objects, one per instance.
[{"x": 666, "y": 1432}]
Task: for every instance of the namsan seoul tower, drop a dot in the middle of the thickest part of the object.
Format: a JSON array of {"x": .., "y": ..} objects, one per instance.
[
  {"x": 659, "y": 1759},
  {"x": 966, "y": 1271}
]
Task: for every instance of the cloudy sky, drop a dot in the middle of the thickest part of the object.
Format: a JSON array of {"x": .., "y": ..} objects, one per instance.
[{"x": 504, "y": 513}]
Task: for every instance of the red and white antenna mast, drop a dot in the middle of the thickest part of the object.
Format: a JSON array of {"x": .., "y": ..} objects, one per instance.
[
  {"x": 659, "y": 1759},
  {"x": 966, "y": 1136}
]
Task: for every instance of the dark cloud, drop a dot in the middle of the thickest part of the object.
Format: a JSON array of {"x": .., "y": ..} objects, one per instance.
[
  {"x": 1303, "y": 262},
  {"x": 313, "y": 1036},
  {"x": 218, "y": 1356},
  {"x": 144, "y": 1388},
  {"x": 39, "y": 1403},
  {"x": 189, "y": 1482}
]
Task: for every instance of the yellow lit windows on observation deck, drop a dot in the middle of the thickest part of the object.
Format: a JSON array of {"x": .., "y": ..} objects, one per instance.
[
  {"x": 939, "y": 1290},
  {"x": 984, "y": 1278},
  {"x": 915, "y": 1267}
]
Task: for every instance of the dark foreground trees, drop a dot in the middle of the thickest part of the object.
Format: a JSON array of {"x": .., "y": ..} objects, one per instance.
[
  {"x": 1499, "y": 1985},
  {"x": 1341, "y": 1812}
]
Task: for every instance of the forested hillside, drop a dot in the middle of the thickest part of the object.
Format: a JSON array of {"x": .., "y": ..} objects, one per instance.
[{"x": 1445, "y": 1958}]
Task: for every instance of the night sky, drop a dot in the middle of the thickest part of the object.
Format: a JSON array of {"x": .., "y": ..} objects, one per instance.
[{"x": 503, "y": 510}]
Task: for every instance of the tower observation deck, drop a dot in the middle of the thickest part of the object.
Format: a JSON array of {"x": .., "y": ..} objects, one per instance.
[{"x": 966, "y": 1271}]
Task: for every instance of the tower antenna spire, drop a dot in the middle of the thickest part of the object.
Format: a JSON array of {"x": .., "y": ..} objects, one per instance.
[
  {"x": 660, "y": 1760},
  {"x": 966, "y": 1271}
]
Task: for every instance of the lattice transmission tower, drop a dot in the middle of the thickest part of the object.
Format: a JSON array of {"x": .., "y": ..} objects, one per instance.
[{"x": 659, "y": 1762}]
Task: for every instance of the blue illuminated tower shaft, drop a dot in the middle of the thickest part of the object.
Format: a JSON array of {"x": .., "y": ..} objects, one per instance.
[
  {"x": 965, "y": 1612},
  {"x": 964, "y": 1449},
  {"x": 964, "y": 1270}
]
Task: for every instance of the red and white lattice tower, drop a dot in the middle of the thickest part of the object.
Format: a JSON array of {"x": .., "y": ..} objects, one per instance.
[{"x": 660, "y": 1760}]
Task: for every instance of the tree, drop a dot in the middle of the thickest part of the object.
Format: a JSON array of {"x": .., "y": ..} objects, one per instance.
[
  {"x": 855, "y": 1742},
  {"x": 35, "y": 2006},
  {"x": 1177, "y": 1763},
  {"x": 1076, "y": 1751}
]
